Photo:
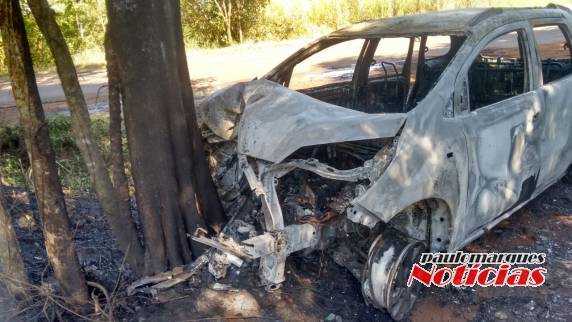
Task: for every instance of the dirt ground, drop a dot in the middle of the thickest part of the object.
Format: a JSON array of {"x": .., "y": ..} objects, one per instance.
[
  {"x": 7, "y": 305},
  {"x": 316, "y": 288}
]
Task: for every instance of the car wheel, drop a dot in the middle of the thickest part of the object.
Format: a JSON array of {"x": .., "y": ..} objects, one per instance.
[{"x": 384, "y": 281}]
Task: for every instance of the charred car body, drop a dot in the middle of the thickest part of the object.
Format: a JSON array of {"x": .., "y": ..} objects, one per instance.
[{"x": 394, "y": 155}]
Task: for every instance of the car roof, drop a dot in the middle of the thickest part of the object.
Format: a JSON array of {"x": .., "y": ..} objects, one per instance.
[{"x": 446, "y": 22}]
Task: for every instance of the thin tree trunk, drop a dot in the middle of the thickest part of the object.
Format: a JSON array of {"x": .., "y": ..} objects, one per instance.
[
  {"x": 225, "y": 11},
  {"x": 121, "y": 223},
  {"x": 55, "y": 222},
  {"x": 120, "y": 182},
  {"x": 164, "y": 141},
  {"x": 239, "y": 13},
  {"x": 101, "y": 14},
  {"x": 228, "y": 24},
  {"x": 11, "y": 263}
]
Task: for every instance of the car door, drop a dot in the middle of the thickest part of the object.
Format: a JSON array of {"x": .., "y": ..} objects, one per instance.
[
  {"x": 554, "y": 52},
  {"x": 500, "y": 126}
]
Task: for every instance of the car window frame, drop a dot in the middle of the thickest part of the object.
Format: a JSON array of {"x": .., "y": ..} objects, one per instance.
[
  {"x": 564, "y": 28},
  {"x": 524, "y": 49},
  {"x": 368, "y": 59},
  {"x": 461, "y": 82},
  {"x": 362, "y": 82},
  {"x": 289, "y": 68}
]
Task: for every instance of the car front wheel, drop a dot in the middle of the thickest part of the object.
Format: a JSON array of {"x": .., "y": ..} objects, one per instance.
[{"x": 390, "y": 260}]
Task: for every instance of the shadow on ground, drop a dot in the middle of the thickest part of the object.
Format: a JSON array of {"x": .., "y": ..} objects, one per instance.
[{"x": 317, "y": 288}]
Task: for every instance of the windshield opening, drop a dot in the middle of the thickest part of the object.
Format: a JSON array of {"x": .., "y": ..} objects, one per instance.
[{"x": 375, "y": 75}]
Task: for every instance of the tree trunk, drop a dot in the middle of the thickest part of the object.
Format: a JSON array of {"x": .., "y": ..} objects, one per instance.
[
  {"x": 164, "y": 141},
  {"x": 11, "y": 263},
  {"x": 209, "y": 205},
  {"x": 120, "y": 222},
  {"x": 228, "y": 25},
  {"x": 240, "y": 34},
  {"x": 239, "y": 11},
  {"x": 225, "y": 11},
  {"x": 120, "y": 181},
  {"x": 101, "y": 14},
  {"x": 55, "y": 222}
]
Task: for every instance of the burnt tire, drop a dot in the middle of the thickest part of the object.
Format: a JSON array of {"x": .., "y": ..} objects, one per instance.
[{"x": 384, "y": 280}]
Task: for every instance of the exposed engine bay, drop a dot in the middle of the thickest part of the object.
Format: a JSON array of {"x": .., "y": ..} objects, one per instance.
[{"x": 309, "y": 195}]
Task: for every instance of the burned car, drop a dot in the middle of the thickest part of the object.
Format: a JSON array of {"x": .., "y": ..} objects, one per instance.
[{"x": 391, "y": 137}]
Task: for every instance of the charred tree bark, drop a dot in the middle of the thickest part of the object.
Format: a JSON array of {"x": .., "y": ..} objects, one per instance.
[
  {"x": 165, "y": 145},
  {"x": 121, "y": 223},
  {"x": 55, "y": 222},
  {"x": 120, "y": 181},
  {"x": 11, "y": 263}
]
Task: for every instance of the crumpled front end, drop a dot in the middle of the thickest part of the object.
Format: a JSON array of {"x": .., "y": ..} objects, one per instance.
[{"x": 302, "y": 162}]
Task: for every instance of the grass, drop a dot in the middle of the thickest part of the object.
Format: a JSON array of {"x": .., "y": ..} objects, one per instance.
[
  {"x": 15, "y": 165},
  {"x": 91, "y": 58}
]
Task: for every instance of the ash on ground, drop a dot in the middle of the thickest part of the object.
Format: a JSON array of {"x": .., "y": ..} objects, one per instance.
[{"x": 316, "y": 288}]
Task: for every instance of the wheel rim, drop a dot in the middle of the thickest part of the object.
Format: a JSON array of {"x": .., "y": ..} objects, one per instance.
[
  {"x": 390, "y": 260},
  {"x": 401, "y": 297}
]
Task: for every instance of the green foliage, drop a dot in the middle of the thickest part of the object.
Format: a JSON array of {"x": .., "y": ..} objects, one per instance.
[
  {"x": 203, "y": 22},
  {"x": 283, "y": 19},
  {"x": 41, "y": 55},
  {"x": 11, "y": 140},
  {"x": 15, "y": 166},
  {"x": 12, "y": 152},
  {"x": 248, "y": 17},
  {"x": 202, "y": 25},
  {"x": 14, "y": 173},
  {"x": 281, "y": 22},
  {"x": 82, "y": 23},
  {"x": 60, "y": 135}
]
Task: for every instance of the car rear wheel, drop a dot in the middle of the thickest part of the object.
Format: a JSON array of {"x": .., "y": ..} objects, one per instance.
[{"x": 389, "y": 264}]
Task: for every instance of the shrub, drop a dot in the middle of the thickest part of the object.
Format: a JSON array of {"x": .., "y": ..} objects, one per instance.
[{"x": 14, "y": 163}]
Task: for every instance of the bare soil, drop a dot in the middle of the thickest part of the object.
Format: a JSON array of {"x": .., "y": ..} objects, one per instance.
[
  {"x": 316, "y": 288},
  {"x": 7, "y": 305}
]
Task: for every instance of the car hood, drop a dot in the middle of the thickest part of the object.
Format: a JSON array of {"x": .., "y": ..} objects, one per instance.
[{"x": 274, "y": 121}]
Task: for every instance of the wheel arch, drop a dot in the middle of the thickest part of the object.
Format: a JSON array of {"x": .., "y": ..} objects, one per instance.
[{"x": 429, "y": 220}]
